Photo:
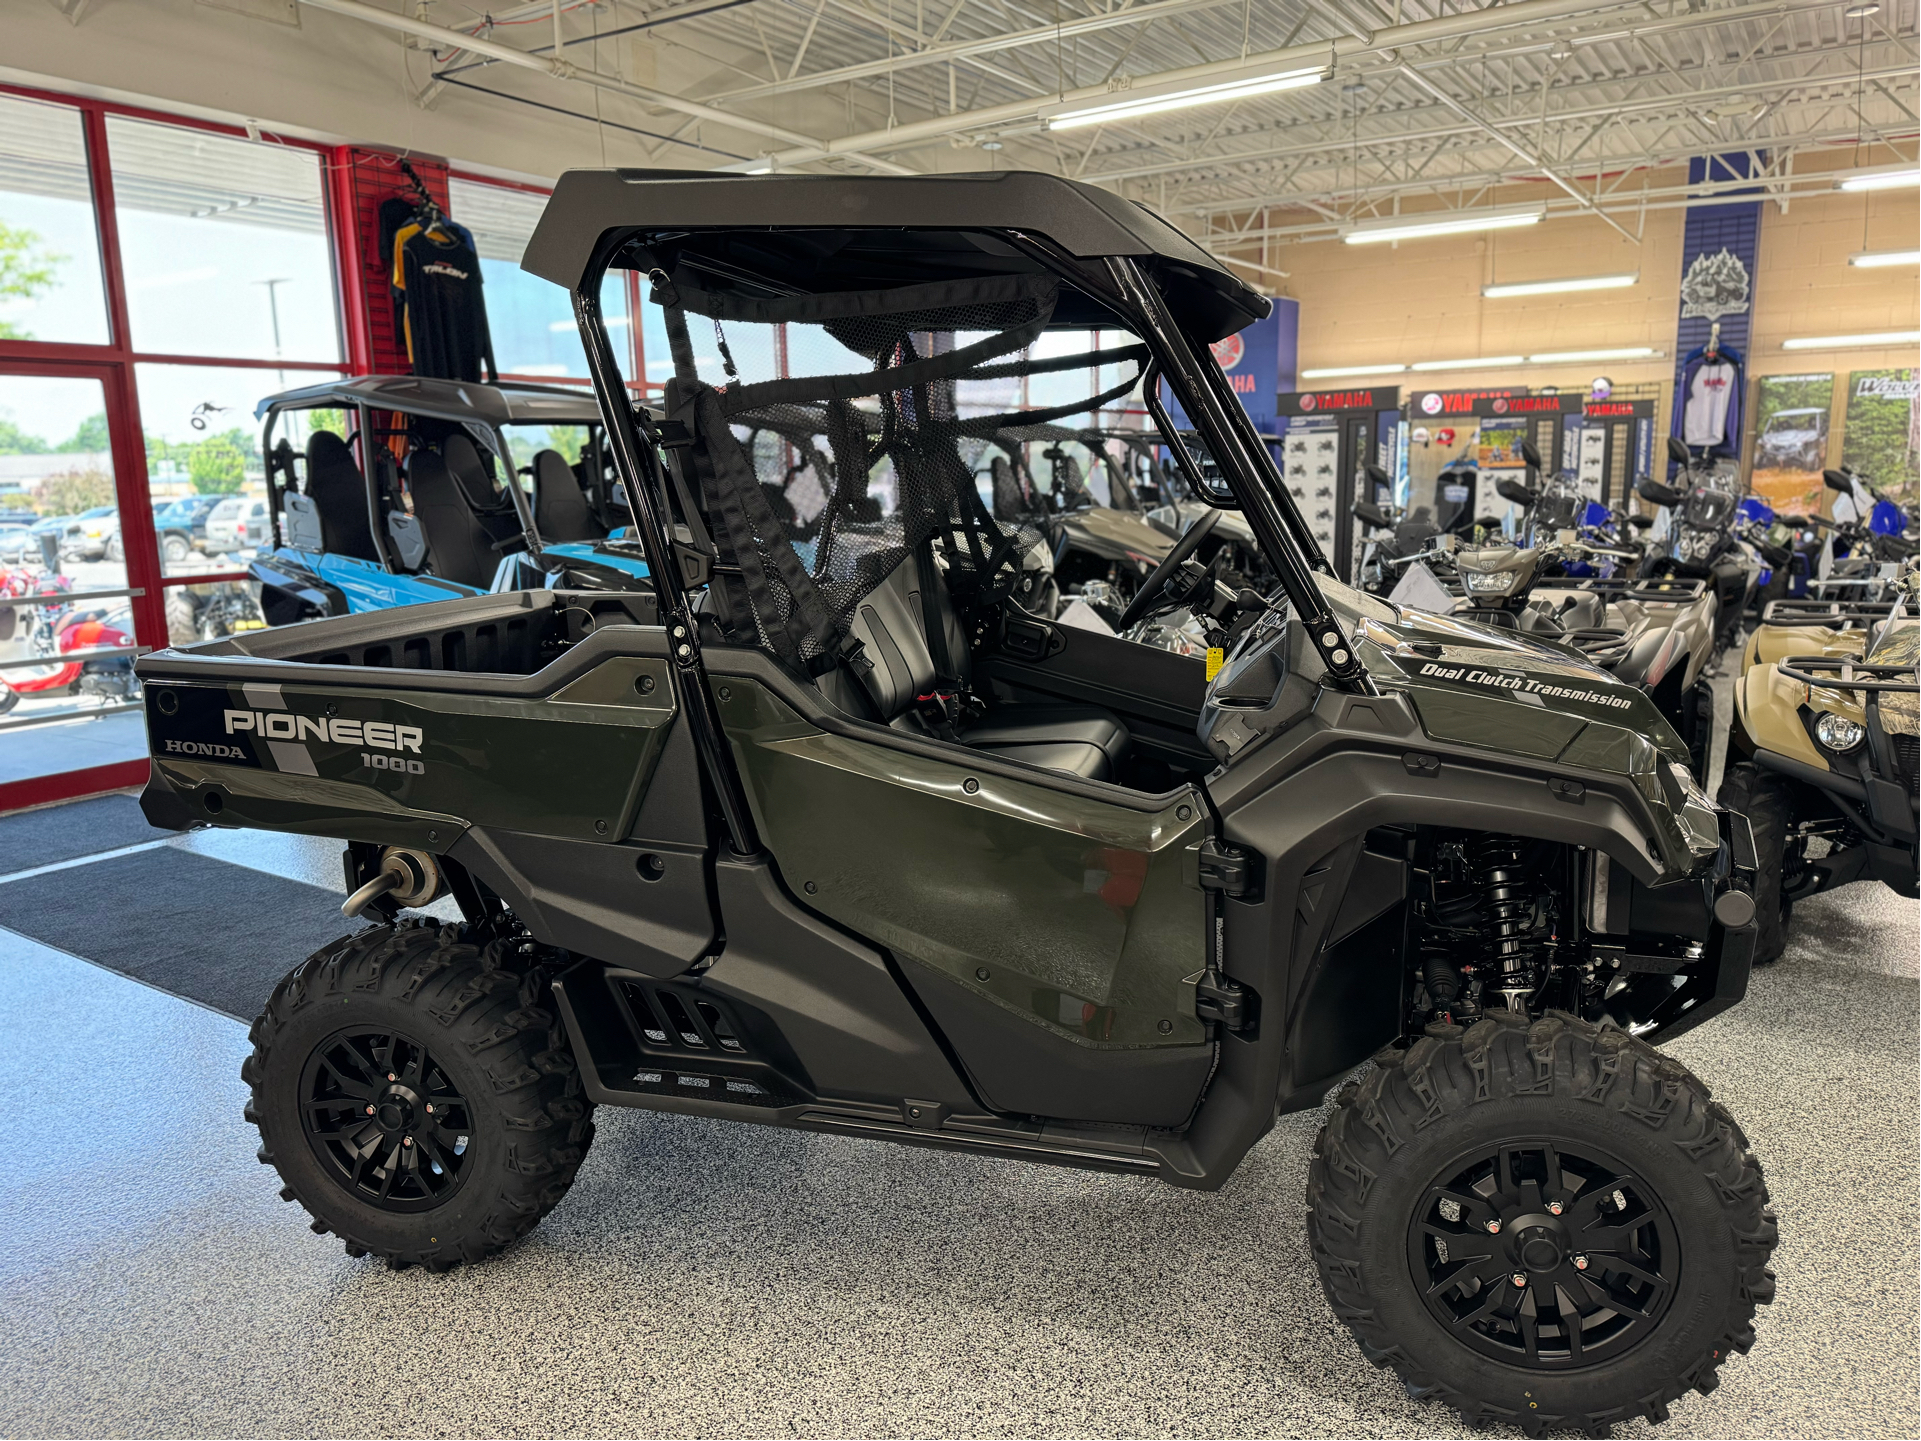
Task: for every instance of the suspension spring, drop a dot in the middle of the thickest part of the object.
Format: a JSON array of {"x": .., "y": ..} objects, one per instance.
[{"x": 1506, "y": 884}]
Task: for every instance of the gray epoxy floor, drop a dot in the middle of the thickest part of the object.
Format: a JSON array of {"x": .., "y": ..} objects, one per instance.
[{"x": 707, "y": 1279}]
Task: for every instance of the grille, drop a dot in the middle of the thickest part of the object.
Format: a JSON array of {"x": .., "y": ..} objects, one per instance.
[
  {"x": 693, "y": 1046},
  {"x": 1907, "y": 758}
]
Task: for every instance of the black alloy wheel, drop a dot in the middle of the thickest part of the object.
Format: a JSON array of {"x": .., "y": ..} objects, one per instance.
[
  {"x": 1540, "y": 1256},
  {"x": 385, "y": 1120}
]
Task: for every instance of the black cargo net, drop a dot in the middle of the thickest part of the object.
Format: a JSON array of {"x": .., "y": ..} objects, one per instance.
[{"x": 852, "y": 430}]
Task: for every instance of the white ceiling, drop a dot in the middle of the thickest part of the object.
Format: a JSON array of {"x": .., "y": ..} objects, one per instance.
[{"x": 1430, "y": 103}]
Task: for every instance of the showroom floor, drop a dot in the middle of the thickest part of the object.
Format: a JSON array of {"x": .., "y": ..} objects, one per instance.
[{"x": 710, "y": 1279}]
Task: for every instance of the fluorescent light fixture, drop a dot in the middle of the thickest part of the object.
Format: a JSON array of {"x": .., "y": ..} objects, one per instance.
[
  {"x": 1627, "y": 352},
  {"x": 1129, "y": 106},
  {"x": 1460, "y": 223},
  {"x": 1842, "y": 342},
  {"x": 759, "y": 170},
  {"x": 1478, "y": 362},
  {"x": 1883, "y": 177},
  {"x": 1874, "y": 259},
  {"x": 1335, "y": 372},
  {"x": 1557, "y": 287}
]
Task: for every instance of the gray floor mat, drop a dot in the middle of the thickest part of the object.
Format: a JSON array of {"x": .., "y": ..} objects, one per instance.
[
  {"x": 64, "y": 833},
  {"x": 214, "y": 932}
]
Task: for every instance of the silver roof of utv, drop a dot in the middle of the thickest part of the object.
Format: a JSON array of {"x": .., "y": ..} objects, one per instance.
[
  {"x": 455, "y": 400},
  {"x": 817, "y": 234}
]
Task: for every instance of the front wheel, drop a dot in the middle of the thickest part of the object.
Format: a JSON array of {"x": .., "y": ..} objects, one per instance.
[
  {"x": 417, "y": 1094},
  {"x": 1546, "y": 1225}
]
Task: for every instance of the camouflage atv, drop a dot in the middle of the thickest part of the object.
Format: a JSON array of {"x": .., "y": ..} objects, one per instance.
[
  {"x": 828, "y": 834},
  {"x": 1822, "y": 750}
]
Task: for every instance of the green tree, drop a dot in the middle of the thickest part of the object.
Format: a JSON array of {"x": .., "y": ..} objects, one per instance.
[
  {"x": 15, "y": 441},
  {"x": 89, "y": 435},
  {"x": 568, "y": 440},
  {"x": 72, "y": 491},
  {"x": 26, "y": 272},
  {"x": 334, "y": 420},
  {"x": 1877, "y": 441},
  {"x": 217, "y": 466}
]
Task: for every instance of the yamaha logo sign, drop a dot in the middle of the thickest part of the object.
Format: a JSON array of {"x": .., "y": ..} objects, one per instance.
[
  {"x": 1307, "y": 402},
  {"x": 1228, "y": 353}
]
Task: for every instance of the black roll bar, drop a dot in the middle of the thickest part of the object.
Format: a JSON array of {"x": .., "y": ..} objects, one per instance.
[
  {"x": 637, "y": 459},
  {"x": 1245, "y": 464}
]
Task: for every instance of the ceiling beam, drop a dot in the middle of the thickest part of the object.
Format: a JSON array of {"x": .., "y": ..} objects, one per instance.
[{"x": 559, "y": 68}]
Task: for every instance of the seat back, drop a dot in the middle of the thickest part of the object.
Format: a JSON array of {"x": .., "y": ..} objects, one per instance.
[
  {"x": 890, "y": 621},
  {"x": 560, "y": 508},
  {"x": 339, "y": 494},
  {"x": 459, "y": 547}
]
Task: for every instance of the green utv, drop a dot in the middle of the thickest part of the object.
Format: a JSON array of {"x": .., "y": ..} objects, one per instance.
[{"x": 827, "y": 833}]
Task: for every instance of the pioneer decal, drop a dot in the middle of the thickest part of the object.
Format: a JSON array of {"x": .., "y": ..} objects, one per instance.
[
  {"x": 1498, "y": 680},
  {"x": 285, "y": 726}
]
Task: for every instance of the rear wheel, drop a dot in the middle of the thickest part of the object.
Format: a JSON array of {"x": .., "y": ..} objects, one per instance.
[
  {"x": 1547, "y": 1225},
  {"x": 417, "y": 1094},
  {"x": 1763, "y": 798}
]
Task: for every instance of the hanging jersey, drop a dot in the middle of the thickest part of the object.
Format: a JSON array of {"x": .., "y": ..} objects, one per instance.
[
  {"x": 1709, "y": 394},
  {"x": 447, "y": 335}
]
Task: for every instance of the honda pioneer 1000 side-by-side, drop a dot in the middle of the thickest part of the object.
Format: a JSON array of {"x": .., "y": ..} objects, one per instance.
[{"x": 828, "y": 833}]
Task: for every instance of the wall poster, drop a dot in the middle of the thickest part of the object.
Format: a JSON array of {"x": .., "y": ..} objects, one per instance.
[
  {"x": 1881, "y": 432},
  {"x": 1791, "y": 440}
]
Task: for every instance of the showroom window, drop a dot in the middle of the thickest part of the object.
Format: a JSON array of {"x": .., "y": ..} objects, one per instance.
[
  {"x": 530, "y": 319},
  {"x": 158, "y": 278},
  {"x": 223, "y": 243}
]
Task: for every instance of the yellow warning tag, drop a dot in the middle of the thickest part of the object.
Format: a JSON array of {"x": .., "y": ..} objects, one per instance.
[{"x": 1216, "y": 658}]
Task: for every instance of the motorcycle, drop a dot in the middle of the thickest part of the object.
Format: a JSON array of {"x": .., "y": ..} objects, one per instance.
[
  {"x": 1701, "y": 543},
  {"x": 74, "y": 668}
]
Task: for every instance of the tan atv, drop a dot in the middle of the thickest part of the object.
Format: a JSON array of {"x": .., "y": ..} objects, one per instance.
[
  {"x": 1822, "y": 756},
  {"x": 1809, "y": 626}
]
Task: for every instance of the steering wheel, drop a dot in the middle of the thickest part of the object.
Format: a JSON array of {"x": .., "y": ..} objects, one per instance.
[{"x": 1156, "y": 582}]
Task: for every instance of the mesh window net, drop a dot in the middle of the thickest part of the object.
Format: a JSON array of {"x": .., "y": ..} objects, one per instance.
[{"x": 835, "y": 435}]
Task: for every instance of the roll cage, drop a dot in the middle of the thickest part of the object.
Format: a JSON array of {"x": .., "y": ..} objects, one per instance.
[
  {"x": 782, "y": 238},
  {"x": 481, "y": 411}
]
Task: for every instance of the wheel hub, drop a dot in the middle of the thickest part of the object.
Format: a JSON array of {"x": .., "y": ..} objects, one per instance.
[
  {"x": 1538, "y": 1243},
  {"x": 1542, "y": 1256},
  {"x": 386, "y": 1120}
]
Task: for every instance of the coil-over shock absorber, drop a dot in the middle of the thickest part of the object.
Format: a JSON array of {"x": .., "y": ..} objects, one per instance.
[{"x": 1504, "y": 881}]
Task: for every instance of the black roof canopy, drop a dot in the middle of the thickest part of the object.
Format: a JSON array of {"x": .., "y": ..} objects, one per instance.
[{"x": 783, "y": 234}]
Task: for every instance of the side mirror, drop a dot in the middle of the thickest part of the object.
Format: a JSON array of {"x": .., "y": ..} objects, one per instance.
[
  {"x": 1513, "y": 490},
  {"x": 1651, "y": 489},
  {"x": 1677, "y": 452},
  {"x": 1377, "y": 474},
  {"x": 1531, "y": 453},
  {"x": 1838, "y": 481},
  {"x": 1371, "y": 513}
]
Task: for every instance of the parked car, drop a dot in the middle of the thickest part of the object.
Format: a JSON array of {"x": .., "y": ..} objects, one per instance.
[
  {"x": 17, "y": 542},
  {"x": 237, "y": 523},
  {"x": 182, "y": 526},
  {"x": 92, "y": 534}
]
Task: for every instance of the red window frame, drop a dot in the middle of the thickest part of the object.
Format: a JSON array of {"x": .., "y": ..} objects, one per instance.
[{"x": 114, "y": 363}]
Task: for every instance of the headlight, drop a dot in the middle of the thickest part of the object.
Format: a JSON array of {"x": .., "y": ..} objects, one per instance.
[
  {"x": 1488, "y": 582},
  {"x": 1838, "y": 733}
]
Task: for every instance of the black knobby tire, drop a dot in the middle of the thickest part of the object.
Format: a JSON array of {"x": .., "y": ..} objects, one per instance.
[
  {"x": 1505, "y": 1082},
  {"x": 482, "y": 1022},
  {"x": 1763, "y": 798}
]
